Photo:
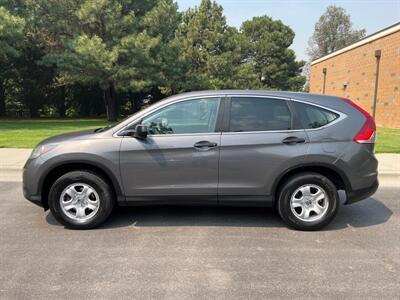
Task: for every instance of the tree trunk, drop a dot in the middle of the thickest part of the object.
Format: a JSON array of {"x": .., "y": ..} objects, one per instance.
[
  {"x": 2, "y": 100},
  {"x": 62, "y": 107},
  {"x": 111, "y": 103},
  {"x": 135, "y": 105},
  {"x": 31, "y": 99},
  {"x": 32, "y": 103},
  {"x": 62, "y": 110},
  {"x": 33, "y": 111}
]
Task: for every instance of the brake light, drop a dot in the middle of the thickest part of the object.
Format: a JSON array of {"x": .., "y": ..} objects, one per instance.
[{"x": 367, "y": 133}]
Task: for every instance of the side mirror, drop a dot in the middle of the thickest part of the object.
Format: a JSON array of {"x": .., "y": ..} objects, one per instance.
[{"x": 140, "y": 131}]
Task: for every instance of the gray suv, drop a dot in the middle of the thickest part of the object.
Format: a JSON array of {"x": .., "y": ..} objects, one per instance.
[{"x": 292, "y": 151}]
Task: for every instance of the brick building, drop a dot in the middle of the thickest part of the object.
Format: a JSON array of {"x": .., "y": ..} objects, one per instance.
[{"x": 367, "y": 72}]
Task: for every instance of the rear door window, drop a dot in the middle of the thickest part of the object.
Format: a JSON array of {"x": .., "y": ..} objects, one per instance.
[
  {"x": 259, "y": 114},
  {"x": 312, "y": 116}
]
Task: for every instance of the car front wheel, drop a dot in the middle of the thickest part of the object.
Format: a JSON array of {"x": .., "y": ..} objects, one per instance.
[
  {"x": 308, "y": 201},
  {"x": 81, "y": 200}
]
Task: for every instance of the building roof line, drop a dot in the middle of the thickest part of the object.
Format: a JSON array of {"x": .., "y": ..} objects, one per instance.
[{"x": 368, "y": 39}]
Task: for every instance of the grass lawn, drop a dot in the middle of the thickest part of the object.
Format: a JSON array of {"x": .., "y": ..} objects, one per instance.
[
  {"x": 388, "y": 140},
  {"x": 26, "y": 133}
]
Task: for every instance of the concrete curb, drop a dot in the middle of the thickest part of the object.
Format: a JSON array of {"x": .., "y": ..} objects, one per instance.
[
  {"x": 389, "y": 179},
  {"x": 10, "y": 175}
]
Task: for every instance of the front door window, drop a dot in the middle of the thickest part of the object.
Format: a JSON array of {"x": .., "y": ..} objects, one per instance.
[{"x": 189, "y": 116}]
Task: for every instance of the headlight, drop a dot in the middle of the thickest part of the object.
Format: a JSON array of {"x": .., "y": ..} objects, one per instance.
[{"x": 42, "y": 149}]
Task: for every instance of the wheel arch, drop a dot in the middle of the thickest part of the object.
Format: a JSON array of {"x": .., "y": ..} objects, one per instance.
[
  {"x": 56, "y": 171},
  {"x": 337, "y": 176}
]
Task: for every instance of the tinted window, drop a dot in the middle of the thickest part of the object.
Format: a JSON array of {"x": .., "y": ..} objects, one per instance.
[
  {"x": 313, "y": 116},
  {"x": 259, "y": 114},
  {"x": 191, "y": 116}
]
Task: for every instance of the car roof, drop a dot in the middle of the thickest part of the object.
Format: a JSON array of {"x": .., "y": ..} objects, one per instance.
[
  {"x": 280, "y": 94},
  {"x": 234, "y": 92},
  {"x": 333, "y": 102}
]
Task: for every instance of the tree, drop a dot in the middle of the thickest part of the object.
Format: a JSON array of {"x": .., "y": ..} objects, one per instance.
[
  {"x": 11, "y": 29},
  {"x": 165, "y": 71},
  {"x": 116, "y": 46},
  {"x": 52, "y": 22},
  {"x": 216, "y": 55},
  {"x": 128, "y": 51},
  {"x": 203, "y": 39},
  {"x": 31, "y": 78},
  {"x": 332, "y": 32},
  {"x": 266, "y": 44}
]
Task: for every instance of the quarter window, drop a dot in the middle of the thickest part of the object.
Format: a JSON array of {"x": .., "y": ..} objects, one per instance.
[
  {"x": 312, "y": 116},
  {"x": 259, "y": 114},
  {"x": 189, "y": 116}
]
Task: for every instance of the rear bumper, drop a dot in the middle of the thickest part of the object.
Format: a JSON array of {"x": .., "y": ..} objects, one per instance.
[{"x": 357, "y": 195}]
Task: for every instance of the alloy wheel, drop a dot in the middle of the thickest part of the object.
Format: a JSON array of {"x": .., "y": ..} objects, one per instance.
[
  {"x": 309, "y": 202},
  {"x": 79, "y": 202}
]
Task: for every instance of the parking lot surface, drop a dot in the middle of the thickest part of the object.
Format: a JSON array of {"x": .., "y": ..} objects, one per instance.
[{"x": 199, "y": 253}]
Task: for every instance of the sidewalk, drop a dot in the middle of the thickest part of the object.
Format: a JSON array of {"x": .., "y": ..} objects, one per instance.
[
  {"x": 12, "y": 162},
  {"x": 389, "y": 169}
]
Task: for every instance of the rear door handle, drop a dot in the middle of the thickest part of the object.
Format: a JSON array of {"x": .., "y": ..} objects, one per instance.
[
  {"x": 205, "y": 145},
  {"x": 292, "y": 140}
]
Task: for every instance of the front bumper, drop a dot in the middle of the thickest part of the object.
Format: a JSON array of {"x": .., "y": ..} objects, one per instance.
[
  {"x": 358, "y": 195},
  {"x": 35, "y": 199},
  {"x": 30, "y": 181}
]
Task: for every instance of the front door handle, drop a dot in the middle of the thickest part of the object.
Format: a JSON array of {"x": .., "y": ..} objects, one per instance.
[
  {"x": 293, "y": 140},
  {"x": 205, "y": 145}
]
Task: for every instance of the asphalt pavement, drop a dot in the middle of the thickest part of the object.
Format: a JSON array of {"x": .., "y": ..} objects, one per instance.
[{"x": 200, "y": 253}]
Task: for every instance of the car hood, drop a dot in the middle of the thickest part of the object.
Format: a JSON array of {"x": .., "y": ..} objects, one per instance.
[{"x": 77, "y": 135}]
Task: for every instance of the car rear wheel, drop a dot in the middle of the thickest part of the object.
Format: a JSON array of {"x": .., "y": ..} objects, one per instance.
[
  {"x": 81, "y": 200},
  {"x": 308, "y": 201}
]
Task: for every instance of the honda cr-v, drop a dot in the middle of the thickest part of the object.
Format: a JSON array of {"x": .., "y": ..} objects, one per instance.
[{"x": 292, "y": 151}]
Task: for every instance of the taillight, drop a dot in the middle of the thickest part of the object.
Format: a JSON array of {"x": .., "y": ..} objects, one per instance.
[{"x": 367, "y": 133}]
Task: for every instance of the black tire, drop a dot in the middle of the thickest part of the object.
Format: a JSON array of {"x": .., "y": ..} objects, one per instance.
[
  {"x": 291, "y": 185},
  {"x": 95, "y": 181}
]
